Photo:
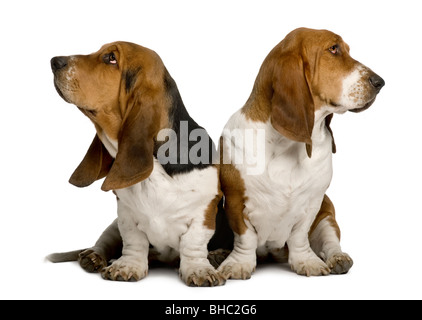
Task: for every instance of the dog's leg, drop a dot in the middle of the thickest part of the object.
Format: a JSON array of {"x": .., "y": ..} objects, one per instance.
[
  {"x": 241, "y": 262},
  {"x": 195, "y": 268},
  {"x": 108, "y": 246},
  {"x": 324, "y": 237},
  {"x": 302, "y": 258},
  {"x": 133, "y": 264}
]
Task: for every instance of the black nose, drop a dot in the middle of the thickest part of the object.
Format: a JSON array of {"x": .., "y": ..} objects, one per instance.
[
  {"x": 58, "y": 63},
  {"x": 376, "y": 81}
]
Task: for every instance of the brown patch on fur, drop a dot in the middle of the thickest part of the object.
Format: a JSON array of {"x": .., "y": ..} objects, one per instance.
[
  {"x": 233, "y": 188},
  {"x": 211, "y": 211},
  {"x": 327, "y": 211},
  {"x": 257, "y": 109}
]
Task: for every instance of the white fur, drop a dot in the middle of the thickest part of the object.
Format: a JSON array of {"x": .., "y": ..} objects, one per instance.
[
  {"x": 354, "y": 92},
  {"x": 164, "y": 207},
  {"x": 284, "y": 197},
  {"x": 352, "y": 89},
  {"x": 168, "y": 213},
  {"x": 330, "y": 246},
  {"x": 70, "y": 73},
  {"x": 283, "y": 200}
]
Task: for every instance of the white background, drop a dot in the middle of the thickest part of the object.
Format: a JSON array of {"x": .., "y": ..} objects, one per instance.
[{"x": 213, "y": 49}]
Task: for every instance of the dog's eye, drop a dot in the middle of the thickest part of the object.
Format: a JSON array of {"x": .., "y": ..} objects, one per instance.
[
  {"x": 110, "y": 58},
  {"x": 334, "y": 49}
]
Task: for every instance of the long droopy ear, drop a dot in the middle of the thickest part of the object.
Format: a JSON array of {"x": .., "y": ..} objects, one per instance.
[
  {"x": 95, "y": 165},
  {"x": 292, "y": 111},
  {"x": 135, "y": 160}
]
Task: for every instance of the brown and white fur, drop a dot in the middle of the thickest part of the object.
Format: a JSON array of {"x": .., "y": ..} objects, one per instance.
[
  {"x": 166, "y": 206},
  {"x": 281, "y": 201}
]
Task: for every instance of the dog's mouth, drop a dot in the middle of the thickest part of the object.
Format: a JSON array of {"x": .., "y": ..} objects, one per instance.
[
  {"x": 366, "y": 106},
  {"x": 84, "y": 109},
  {"x": 60, "y": 92}
]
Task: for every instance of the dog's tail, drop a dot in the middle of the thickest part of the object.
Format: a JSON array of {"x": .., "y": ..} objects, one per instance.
[{"x": 64, "y": 256}]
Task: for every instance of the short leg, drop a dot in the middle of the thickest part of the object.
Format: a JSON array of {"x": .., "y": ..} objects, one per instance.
[
  {"x": 107, "y": 247},
  {"x": 133, "y": 264},
  {"x": 241, "y": 262},
  {"x": 195, "y": 269},
  {"x": 324, "y": 237},
  {"x": 302, "y": 258}
]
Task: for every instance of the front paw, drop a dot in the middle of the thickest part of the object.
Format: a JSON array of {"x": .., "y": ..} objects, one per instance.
[
  {"x": 339, "y": 263},
  {"x": 310, "y": 267},
  {"x": 200, "y": 275},
  {"x": 125, "y": 269},
  {"x": 92, "y": 261},
  {"x": 232, "y": 269}
]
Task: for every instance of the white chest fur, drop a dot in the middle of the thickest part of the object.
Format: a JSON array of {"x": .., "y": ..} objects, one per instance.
[
  {"x": 163, "y": 207},
  {"x": 291, "y": 187}
]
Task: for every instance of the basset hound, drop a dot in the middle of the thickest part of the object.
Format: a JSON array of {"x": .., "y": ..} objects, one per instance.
[
  {"x": 166, "y": 201},
  {"x": 276, "y": 203}
]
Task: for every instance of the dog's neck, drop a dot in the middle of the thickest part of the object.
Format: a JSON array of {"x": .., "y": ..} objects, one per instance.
[
  {"x": 320, "y": 131},
  {"x": 110, "y": 144}
]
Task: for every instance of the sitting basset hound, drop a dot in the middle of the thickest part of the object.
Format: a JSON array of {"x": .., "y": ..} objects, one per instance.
[
  {"x": 167, "y": 202},
  {"x": 278, "y": 207}
]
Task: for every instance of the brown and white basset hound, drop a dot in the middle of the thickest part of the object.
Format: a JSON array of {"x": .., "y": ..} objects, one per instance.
[
  {"x": 153, "y": 155},
  {"x": 277, "y": 155}
]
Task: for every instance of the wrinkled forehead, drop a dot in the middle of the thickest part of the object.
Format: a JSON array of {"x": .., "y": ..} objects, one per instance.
[
  {"x": 120, "y": 46},
  {"x": 314, "y": 38},
  {"x": 108, "y": 47}
]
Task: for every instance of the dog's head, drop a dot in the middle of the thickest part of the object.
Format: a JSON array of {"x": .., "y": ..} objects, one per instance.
[
  {"x": 312, "y": 70},
  {"x": 122, "y": 89}
]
